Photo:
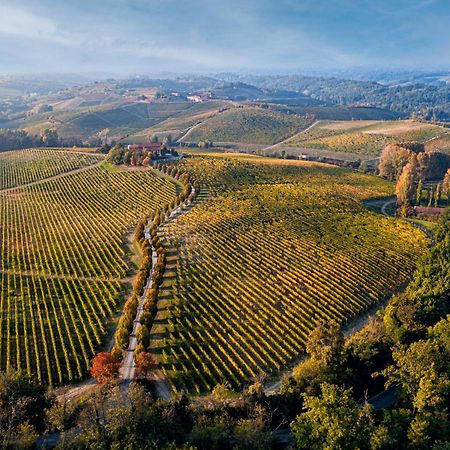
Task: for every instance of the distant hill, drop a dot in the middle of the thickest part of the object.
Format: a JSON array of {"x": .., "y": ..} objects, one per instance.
[
  {"x": 368, "y": 137},
  {"x": 248, "y": 125},
  {"x": 120, "y": 119},
  {"x": 342, "y": 112}
]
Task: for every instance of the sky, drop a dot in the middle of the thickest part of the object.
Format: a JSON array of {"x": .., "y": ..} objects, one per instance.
[{"x": 204, "y": 36}]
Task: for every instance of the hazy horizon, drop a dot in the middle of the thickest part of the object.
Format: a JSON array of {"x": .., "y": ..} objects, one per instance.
[{"x": 125, "y": 37}]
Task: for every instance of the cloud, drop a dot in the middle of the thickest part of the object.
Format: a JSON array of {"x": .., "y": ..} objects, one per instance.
[
  {"x": 285, "y": 35},
  {"x": 22, "y": 23}
]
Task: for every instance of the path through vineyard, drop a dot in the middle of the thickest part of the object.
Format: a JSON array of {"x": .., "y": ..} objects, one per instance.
[
  {"x": 128, "y": 369},
  {"x": 54, "y": 177}
]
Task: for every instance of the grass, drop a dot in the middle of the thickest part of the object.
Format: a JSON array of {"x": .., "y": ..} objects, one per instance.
[
  {"x": 119, "y": 117},
  {"x": 274, "y": 247},
  {"x": 248, "y": 125},
  {"x": 109, "y": 167}
]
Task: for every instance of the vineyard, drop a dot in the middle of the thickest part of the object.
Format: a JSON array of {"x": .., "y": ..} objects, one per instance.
[
  {"x": 368, "y": 137},
  {"x": 273, "y": 248},
  {"x": 63, "y": 263},
  {"x": 27, "y": 166},
  {"x": 248, "y": 125}
]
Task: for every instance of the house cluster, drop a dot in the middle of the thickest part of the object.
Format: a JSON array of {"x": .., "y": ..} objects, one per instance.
[
  {"x": 197, "y": 98},
  {"x": 156, "y": 149}
]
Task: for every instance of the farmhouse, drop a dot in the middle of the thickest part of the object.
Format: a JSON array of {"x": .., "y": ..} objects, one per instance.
[{"x": 156, "y": 149}]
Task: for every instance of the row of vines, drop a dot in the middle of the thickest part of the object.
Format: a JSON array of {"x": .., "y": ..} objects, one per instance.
[
  {"x": 63, "y": 263},
  {"x": 273, "y": 249},
  {"x": 26, "y": 166}
]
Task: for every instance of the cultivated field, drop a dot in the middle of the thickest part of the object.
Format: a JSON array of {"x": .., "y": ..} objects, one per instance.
[
  {"x": 119, "y": 117},
  {"x": 368, "y": 137},
  {"x": 62, "y": 259},
  {"x": 248, "y": 125},
  {"x": 18, "y": 168},
  {"x": 273, "y": 248},
  {"x": 179, "y": 123}
]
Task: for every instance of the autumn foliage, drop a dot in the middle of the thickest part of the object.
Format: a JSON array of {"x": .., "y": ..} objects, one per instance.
[
  {"x": 145, "y": 364},
  {"x": 104, "y": 367}
]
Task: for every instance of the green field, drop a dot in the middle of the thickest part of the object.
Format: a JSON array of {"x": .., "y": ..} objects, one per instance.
[
  {"x": 248, "y": 125},
  {"x": 271, "y": 248},
  {"x": 63, "y": 263},
  {"x": 369, "y": 137},
  {"x": 343, "y": 112}
]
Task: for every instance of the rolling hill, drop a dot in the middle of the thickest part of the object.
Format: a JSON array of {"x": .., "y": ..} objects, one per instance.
[
  {"x": 248, "y": 125},
  {"x": 369, "y": 137}
]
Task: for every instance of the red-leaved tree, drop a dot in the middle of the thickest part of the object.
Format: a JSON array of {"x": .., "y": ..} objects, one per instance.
[
  {"x": 104, "y": 367},
  {"x": 145, "y": 364}
]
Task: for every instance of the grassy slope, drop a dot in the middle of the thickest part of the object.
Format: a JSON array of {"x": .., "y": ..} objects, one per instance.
[
  {"x": 177, "y": 124},
  {"x": 120, "y": 118},
  {"x": 248, "y": 125}
]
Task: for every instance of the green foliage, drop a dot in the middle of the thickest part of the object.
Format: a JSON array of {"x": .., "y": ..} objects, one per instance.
[
  {"x": 22, "y": 410},
  {"x": 333, "y": 421}
]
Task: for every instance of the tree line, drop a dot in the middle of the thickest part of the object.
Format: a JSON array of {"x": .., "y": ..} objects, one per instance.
[
  {"x": 410, "y": 166},
  {"x": 19, "y": 139}
]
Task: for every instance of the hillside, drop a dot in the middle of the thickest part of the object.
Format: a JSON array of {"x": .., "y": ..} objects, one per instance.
[
  {"x": 369, "y": 137},
  {"x": 248, "y": 125},
  {"x": 285, "y": 244},
  {"x": 119, "y": 118},
  {"x": 180, "y": 122},
  {"x": 63, "y": 259}
]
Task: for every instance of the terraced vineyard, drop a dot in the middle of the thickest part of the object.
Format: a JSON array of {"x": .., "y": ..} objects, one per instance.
[
  {"x": 26, "y": 166},
  {"x": 62, "y": 264},
  {"x": 273, "y": 248}
]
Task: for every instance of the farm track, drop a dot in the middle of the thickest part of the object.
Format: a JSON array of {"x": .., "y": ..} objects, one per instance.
[
  {"x": 54, "y": 177},
  {"x": 278, "y": 144},
  {"x": 128, "y": 368}
]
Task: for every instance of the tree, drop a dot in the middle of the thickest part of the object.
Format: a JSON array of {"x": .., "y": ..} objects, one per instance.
[
  {"x": 333, "y": 420},
  {"x": 167, "y": 141},
  {"x": 437, "y": 195},
  {"x": 446, "y": 185},
  {"x": 49, "y": 137},
  {"x": 22, "y": 410},
  {"x": 392, "y": 161},
  {"x": 104, "y": 367},
  {"x": 419, "y": 192},
  {"x": 404, "y": 189},
  {"x": 103, "y": 135},
  {"x": 326, "y": 343},
  {"x": 432, "y": 165},
  {"x": 145, "y": 365}
]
